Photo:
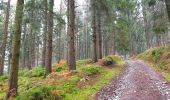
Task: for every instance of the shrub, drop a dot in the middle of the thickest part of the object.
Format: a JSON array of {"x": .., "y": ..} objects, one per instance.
[
  {"x": 156, "y": 53},
  {"x": 24, "y": 72},
  {"x": 108, "y": 61},
  {"x": 37, "y": 72},
  {"x": 4, "y": 77},
  {"x": 37, "y": 93},
  {"x": 59, "y": 69},
  {"x": 92, "y": 70}
]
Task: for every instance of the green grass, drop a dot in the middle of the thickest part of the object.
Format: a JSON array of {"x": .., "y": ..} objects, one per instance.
[{"x": 166, "y": 75}]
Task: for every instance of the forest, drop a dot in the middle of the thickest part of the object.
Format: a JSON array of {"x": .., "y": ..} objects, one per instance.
[{"x": 84, "y": 49}]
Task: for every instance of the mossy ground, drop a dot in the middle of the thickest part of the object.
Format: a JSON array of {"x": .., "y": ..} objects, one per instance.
[
  {"x": 61, "y": 84},
  {"x": 159, "y": 59}
]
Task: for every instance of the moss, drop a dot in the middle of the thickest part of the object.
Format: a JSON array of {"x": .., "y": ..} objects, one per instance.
[{"x": 166, "y": 75}]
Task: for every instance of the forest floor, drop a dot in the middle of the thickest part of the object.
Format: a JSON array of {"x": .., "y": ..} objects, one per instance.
[
  {"x": 61, "y": 84},
  {"x": 137, "y": 81}
]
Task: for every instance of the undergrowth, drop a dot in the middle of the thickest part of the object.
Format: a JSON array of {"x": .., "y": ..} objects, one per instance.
[{"x": 61, "y": 84}]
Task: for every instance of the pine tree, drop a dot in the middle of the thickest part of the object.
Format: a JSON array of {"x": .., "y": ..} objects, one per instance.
[
  {"x": 71, "y": 35},
  {"x": 14, "y": 64},
  {"x": 5, "y": 33},
  {"x": 48, "y": 58}
]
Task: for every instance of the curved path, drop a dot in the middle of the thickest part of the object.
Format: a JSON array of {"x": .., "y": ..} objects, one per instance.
[{"x": 136, "y": 82}]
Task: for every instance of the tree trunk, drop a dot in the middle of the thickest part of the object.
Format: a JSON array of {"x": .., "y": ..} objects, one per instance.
[
  {"x": 100, "y": 36},
  {"x": 14, "y": 65},
  {"x": 71, "y": 35},
  {"x": 23, "y": 44},
  {"x": 48, "y": 58},
  {"x": 168, "y": 8},
  {"x": 94, "y": 32},
  {"x": 45, "y": 33},
  {"x": 30, "y": 47},
  {"x": 147, "y": 34},
  {"x": 9, "y": 56},
  {"x": 5, "y": 33},
  {"x": 59, "y": 34},
  {"x": 158, "y": 40}
]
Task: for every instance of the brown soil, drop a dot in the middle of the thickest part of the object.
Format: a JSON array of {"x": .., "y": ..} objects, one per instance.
[{"x": 137, "y": 81}]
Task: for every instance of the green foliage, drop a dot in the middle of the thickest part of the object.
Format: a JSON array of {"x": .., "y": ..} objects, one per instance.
[
  {"x": 167, "y": 75},
  {"x": 152, "y": 3},
  {"x": 156, "y": 54},
  {"x": 92, "y": 70},
  {"x": 33, "y": 87},
  {"x": 24, "y": 73},
  {"x": 115, "y": 59},
  {"x": 36, "y": 93},
  {"x": 3, "y": 78},
  {"x": 70, "y": 84},
  {"x": 81, "y": 63},
  {"x": 35, "y": 72},
  {"x": 59, "y": 69}
]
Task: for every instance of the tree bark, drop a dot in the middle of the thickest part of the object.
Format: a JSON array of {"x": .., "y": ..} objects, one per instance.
[
  {"x": 14, "y": 65},
  {"x": 147, "y": 34},
  {"x": 94, "y": 31},
  {"x": 59, "y": 34},
  {"x": 45, "y": 33},
  {"x": 168, "y": 8},
  {"x": 71, "y": 35},
  {"x": 5, "y": 33},
  {"x": 23, "y": 44},
  {"x": 100, "y": 36},
  {"x": 48, "y": 58}
]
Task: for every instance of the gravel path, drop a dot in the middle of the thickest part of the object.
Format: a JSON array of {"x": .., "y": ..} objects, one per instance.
[{"x": 136, "y": 82}]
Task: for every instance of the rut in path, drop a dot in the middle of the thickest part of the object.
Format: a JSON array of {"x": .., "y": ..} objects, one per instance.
[{"x": 137, "y": 81}]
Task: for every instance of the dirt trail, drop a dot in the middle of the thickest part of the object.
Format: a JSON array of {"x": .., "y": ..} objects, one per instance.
[{"x": 136, "y": 82}]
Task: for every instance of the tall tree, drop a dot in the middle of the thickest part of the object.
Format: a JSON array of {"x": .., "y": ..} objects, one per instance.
[
  {"x": 146, "y": 26},
  {"x": 14, "y": 64},
  {"x": 71, "y": 35},
  {"x": 99, "y": 31},
  {"x": 93, "y": 4},
  {"x": 59, "y": 32},
  {"x": 5, "y": 34},
  {"x": 31, "y": 36},
  {"x": 45, "y": 32},
  {"x": 168, "y": 8},
  {"x": 48, "y": 58}
]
